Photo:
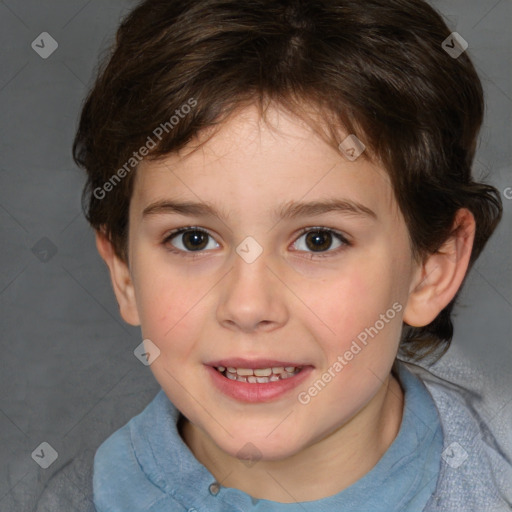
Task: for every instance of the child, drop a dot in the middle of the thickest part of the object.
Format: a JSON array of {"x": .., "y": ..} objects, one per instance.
[{"x": 282, "y": 192}]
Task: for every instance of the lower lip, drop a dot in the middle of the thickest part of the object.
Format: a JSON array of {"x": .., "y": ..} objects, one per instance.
[{"x": 257, "y": 392}]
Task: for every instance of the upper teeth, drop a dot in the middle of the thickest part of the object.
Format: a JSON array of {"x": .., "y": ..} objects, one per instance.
[{"x": 258, "y": 372}]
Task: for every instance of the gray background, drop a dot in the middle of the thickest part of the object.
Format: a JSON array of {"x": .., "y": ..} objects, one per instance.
[{"x": 68, "y": 375}]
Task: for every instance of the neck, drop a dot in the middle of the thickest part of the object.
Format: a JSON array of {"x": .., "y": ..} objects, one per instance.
[{"x": 349, "y": 452}]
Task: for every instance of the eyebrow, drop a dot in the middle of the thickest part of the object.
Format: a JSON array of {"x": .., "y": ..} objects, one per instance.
[{"x": 289, "y": 210}]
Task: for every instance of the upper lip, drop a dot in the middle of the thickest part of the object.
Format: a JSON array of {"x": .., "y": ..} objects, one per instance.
[{"x": 240, "y": 362}]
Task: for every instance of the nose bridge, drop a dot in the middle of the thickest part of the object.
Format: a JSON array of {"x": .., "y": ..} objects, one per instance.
[
  {"x": 251, "y": 264},
  {"x": 251, "y": 274},
  {"x": 251, "y": 296}
]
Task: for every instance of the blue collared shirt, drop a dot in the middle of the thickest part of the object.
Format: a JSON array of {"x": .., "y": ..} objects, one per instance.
[{"x": 146, "y": 466}]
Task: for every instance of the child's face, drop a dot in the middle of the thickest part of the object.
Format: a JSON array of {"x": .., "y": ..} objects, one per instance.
[{"x": 302, "y": 301}]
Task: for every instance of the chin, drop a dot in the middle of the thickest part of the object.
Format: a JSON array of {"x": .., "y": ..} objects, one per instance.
[{"x": 259, "y": 448}]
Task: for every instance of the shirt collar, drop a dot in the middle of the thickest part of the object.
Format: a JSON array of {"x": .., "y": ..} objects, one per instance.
[{"x": 403, "y": 479}]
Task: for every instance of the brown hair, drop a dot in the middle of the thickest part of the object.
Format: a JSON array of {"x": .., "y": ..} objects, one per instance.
[{"x": 376, "y": 69}]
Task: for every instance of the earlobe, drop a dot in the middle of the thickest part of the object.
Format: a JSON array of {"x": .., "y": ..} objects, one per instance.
[
  {"x": 439, "y": 277},
  {"x": 121, "y": 279}
]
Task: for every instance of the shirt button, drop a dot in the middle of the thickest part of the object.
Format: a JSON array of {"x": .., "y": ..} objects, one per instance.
[{"x": 214, "y": 489}]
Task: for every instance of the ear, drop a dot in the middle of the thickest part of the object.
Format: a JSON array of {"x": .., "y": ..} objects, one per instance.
[
  {"x": 121, "y": 279},
  {"x": 439, "y": 277}
]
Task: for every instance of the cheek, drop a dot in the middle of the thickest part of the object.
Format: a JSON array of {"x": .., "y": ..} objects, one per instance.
[
  {"x": 366, "y": 320},
  {"x": 170, "y": 309},
  {"x": 358, "y": 318},
  {"x": 351, "y": 302}
]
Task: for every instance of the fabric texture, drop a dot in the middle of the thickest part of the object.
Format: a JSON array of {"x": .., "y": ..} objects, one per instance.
[
  {"x": 438, "y": 462},
  {"x": 474, "y": 472}
]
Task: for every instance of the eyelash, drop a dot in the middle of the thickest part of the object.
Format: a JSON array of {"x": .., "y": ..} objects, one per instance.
[{"x": 314, "y": 255}]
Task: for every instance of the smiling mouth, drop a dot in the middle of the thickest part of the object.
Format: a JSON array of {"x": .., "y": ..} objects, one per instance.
[{"x": 259, "y": 375}]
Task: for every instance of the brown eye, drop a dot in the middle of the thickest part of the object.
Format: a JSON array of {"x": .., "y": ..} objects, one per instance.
[
  {"x": 189, "y": 240},
  {"x": 320, "y": 240},
  {"x": 195, "y": 240}
]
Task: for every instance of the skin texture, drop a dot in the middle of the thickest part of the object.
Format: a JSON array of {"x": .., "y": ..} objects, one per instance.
[{"x": 293, "y": 303}]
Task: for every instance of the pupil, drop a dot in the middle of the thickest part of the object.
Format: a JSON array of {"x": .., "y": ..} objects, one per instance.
[
  {"x": 317, "y": 237},
  {"x": 197, "y": 240}
]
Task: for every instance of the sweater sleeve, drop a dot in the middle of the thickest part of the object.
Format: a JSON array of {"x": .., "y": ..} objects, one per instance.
[
  {"x": 476, "y": 473},
  {"x": 70, "y": 488}
]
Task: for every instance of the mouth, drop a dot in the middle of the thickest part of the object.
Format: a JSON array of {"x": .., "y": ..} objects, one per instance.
[
  {"x": 257, "y": 381},
  {"x": 259, "y": 375}
]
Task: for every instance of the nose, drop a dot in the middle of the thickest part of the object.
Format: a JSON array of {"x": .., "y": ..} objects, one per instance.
[{"x": 253, "y": 298}]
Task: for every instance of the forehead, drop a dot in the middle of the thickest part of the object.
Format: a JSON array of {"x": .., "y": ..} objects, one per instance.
[{"x": 261, "y": 163}]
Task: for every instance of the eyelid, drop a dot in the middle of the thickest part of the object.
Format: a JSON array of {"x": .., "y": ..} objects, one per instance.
[
  {"x": 344, "y": 238},
  {"x": 183, "y": 229}
]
